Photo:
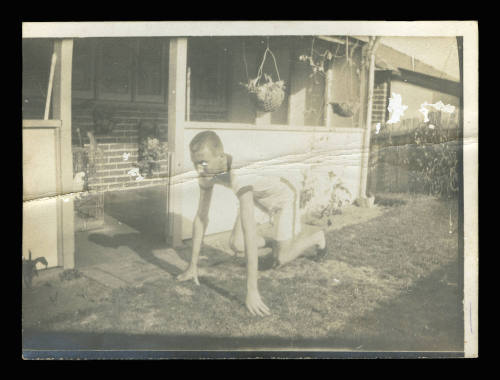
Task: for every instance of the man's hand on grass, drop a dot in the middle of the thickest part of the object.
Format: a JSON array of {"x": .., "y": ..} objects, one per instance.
[
  {"x": 255, "y": 305},
  {"x": 190, "y": 274}
]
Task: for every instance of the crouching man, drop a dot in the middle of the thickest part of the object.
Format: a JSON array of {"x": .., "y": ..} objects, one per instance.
[{"x": 274, "y": 195}]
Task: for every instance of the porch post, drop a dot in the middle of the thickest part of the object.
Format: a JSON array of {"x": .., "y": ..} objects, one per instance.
[
  {"x": 328, "y": 112},
  {"x": 177, "y": 80},
  {"x": 61, "y": 110},
  {"x": 365, "y": 154}
]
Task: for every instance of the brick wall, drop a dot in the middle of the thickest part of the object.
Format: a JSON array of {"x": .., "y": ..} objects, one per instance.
[
  {"x": 380, "y": 102},
  {"x": 110, "y": 172}
]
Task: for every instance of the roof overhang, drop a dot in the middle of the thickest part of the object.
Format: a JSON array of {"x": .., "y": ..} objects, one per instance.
[{"x": 442, "y": 85}]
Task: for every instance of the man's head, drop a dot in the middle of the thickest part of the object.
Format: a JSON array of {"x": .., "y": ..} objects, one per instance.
[{"x": 207, "y": 154}]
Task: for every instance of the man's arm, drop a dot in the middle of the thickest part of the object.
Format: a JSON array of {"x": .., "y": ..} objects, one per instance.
[
  {"x": 199, "y": 227},
  {"x": 253, "y": 300}
]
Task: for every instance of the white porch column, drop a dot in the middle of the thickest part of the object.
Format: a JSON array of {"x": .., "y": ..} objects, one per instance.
[
  {"x": 365, "y": 160},
  {"x": 61, "y": 109},
  {"x": 177, "y": 80}
]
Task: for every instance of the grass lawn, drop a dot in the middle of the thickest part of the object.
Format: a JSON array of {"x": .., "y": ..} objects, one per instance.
[{"x": 389, "y": 283}]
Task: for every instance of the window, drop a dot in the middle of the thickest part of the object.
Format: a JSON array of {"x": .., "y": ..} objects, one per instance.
[
  {"x": 37, "y": 55},
  {"x": 83, "y": 68},
  {"x": 115, "y": 69},
  {"x": 209, "y": 75},
  {"x": 122, "y": 69},
  {"x": 152, "y": 69}
]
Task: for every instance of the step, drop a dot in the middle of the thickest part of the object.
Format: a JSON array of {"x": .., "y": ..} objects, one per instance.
[
  {"x": 129, "y": 185},
  {"x": 120, "y": 163},
  {"x": 115, "y": 176}
]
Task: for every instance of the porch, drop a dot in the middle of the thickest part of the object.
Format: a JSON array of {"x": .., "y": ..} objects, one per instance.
[{"x": 201, "y": 91}]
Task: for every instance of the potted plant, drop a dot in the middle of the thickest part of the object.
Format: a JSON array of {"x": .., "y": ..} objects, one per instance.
[
  {"x": 151, "y": 150},
  {"x": 267, "y": 96}
]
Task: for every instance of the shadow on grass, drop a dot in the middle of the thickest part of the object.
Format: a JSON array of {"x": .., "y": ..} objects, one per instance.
[
  {"x": 428, "y": 316},
  {"x": 144, "y": 249},
  {"x": 425, "y": 318},
  {"x": 397, "y": 325},
  {"x": 110, "y": 345}
]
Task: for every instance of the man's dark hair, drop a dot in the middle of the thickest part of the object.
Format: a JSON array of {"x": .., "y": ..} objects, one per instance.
[{"x": 206, "y": 138}]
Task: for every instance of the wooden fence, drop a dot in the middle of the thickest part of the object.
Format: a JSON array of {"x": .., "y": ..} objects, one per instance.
[{"x": 397, "y": 152}]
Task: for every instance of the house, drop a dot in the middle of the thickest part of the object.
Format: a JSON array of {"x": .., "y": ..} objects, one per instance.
[
  {"x": 183, "y": 86},
  {"x": 416, "y": 82}
]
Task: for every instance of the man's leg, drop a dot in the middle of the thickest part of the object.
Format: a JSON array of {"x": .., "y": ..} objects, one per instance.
[
  {"x": 291, "y": 249},
  {"x": 290, "y": 245},
  {"x": 236, "y": 241}
]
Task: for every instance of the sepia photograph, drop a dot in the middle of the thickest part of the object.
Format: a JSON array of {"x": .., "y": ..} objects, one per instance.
[{"x": 249, "y": 189}]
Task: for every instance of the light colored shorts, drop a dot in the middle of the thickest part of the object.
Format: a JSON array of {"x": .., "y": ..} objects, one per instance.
[{"x": 283, "y": 211}]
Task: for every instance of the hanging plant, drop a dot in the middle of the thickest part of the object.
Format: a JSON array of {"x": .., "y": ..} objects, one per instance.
[
  {"x": 318, "y": 64},
  {"x": 345, "y": 109},
  {"x": 351, "y": 106},
  {"x": 267, "y": 96},
  {"x": 316, "y": 60}
]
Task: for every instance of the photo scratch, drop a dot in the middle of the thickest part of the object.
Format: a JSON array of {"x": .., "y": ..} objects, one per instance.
[{"x": 396, "y": 108}]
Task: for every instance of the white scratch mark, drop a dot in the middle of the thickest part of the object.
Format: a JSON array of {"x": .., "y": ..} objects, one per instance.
[
  {"x": 66, "y": 200},
  {"x": 432, "y": 126},
  {"x": 423, "y": 109},
  {"x": 377, "y": 128},
  {"x": 470, "y": 317},
  {"x": 134, "y": 172},
  {"x": 126, "y": 156},
  {"x": 396, "y": 108},
  {"x": 439, "y": 106},
  {"x": 139, "y": 178},
  {"x": 78, "y": 181}
]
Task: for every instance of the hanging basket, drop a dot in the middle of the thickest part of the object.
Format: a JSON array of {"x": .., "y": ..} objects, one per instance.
[
  {"x": 346, "y": 109},
  {"x": 267, "y": 96}
]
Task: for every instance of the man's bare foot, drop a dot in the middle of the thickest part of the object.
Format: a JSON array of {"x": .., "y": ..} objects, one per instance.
[{"x": 190, "y": 274}]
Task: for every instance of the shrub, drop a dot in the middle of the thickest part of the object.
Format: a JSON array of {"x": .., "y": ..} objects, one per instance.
[{"x": 322, "y": 196}]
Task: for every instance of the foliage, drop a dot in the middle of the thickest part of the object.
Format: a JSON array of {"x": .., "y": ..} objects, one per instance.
[
  {"x": 70, "y": 274},
  {"x": 267, "y": 96},
  {"x": 85, "y": 165},
  {"x": 321, "y": 197},
  {"x": 151, "y": 150},
  {"x": 429, "y": 151},
  {"x": 103, "y": 120},
  {"x": 254, "y": 87},
  {"x": 317, "y": 61},
  {"x": 435, "y": 161}
]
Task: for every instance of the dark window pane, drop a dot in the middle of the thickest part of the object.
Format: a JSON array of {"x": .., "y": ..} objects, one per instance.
[
  {"x": 82, "y": 65},
  {"x": 149, "y": 66},
  {"x": 37, "y": 55},
  {"x": 208, "y": 64},
  {"x": 115, "y": 67}
]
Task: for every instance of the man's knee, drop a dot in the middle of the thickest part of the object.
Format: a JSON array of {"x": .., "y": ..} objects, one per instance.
[{"x": 236, "y": 244}]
